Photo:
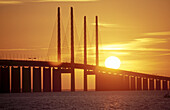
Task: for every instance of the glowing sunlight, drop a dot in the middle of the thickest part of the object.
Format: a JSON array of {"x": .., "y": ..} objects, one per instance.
[{"x": 112, "y": 62}]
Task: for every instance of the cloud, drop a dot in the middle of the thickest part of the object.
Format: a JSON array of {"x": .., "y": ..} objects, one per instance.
[
  {"x": 10, "y": 2},
  {"x": 29, "y": 1},
  {"x": 108, "y": 25},
  {"x": 149, "y": 41},
  {"x": 138, "y": 45},
  {"x": 23, "y": 49},
  {"x": 156, "y": 33},
  {"x": 166, "y": 54},
  {"x": 65, "y": 0}
]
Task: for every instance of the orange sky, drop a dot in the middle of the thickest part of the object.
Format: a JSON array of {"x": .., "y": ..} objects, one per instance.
[{"x": 135, "y": 31}]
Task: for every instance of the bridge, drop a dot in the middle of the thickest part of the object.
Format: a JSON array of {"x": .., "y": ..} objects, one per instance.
[{"x": 48, "y": 73}]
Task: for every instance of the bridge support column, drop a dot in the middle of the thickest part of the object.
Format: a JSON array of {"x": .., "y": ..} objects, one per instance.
[
  {"x": 15, "y": 77},
  {"x": 72, "y": 80},
  {"x": 0, "y": 80},
  {"x": 85, "y": 79},
  {"x": 98, "y": 81},
  {"x": 151, "y": 84},
  {"x": 132, "y": 82},
  {"x": 4, "y": 79},
  {"x": 116, "y": 82},
  {"x": 169, "y": 84},
  {"x": 37, "y": 79},
  {"x": 121, "y": 82},
  {"x": 106, "y": 82},
  {"x": 139, "y": 86},
  {"x": 126, "y": 82},
  {"x": 26, "y": 79},
  {"x": 158, "y": 84},
  {"x": 164, "y": 84},
  {"x": 47, "y": 79},
  {"x": 145, "y": 83},
  {"x": 57, "y": 79}
]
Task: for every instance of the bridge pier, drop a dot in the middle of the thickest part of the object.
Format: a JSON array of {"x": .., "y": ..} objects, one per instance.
[
  {"x": 57, "y": 79},
  {"x": 26, "y": 79},
  {"x": 117, "y": 81},
  {"x": 85, "y": 79},
  {"x": 121, "y": 82},
  {"x": 0, "y": 79},
  {"x": 15, "y": 79},
  {"x": 47, "y": 79},
  {"x": 158, "y": 84},
  {"x": 132, "y": 82},
  {"x": 98, "y": 81},
  {"x": 145, "y": 83},
  {"x": 126, "y": 78},
  {"x": 36, "y": 79},
  {"x": 72, "y": 80},
  {"x": 106, "y": 82},
  {"x": 169, "y": 84},
  {"x": 164, "y": 84},
  {"x": 4, "y": 79},
  {"x": 151, "y": 84},
  {"x": 139, "y": 84}
]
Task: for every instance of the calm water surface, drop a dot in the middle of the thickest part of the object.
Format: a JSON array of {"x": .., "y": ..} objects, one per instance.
[{"x": 126, "y": 100}]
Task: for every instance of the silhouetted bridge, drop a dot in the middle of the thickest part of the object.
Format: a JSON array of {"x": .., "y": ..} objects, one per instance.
[
  {"x": 11, "y": 71},
  {"x": 106, "y": 79}
]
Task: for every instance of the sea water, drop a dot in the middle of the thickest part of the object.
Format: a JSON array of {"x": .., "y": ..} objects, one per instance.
[{"x": 121, "y": 100}]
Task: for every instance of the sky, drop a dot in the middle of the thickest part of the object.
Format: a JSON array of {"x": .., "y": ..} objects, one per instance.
[{"x": 135, "y": 31}]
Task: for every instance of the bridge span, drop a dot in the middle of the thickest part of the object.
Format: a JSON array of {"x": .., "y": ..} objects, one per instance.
[
  {"x": 106, "y": 79},
  {"x": 11, "y": 71}
]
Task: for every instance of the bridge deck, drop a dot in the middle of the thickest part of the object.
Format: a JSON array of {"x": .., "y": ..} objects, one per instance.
[{"x": 90, "y": 68}]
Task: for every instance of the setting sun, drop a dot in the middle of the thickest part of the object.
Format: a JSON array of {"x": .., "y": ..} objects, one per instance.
[{"x": 112, "y": 62}]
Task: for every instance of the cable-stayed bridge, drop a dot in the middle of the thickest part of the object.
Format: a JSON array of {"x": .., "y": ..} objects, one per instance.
[{"x": 47, "y": 74}]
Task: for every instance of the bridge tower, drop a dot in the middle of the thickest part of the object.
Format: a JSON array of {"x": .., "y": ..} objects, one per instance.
[
  {"x": 85, "y": 56},
  {"x": 97, "y": 48},
  {"x": 57, "y": 71},
  {"x": 97, "y": 54},
  {"x": 72, "y": 53}
]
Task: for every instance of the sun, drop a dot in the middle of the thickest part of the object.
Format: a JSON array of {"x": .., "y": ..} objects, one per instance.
[{"x": 112, "y": 62}]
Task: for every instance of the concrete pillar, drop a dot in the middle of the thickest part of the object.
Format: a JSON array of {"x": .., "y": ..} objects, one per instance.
[
  {"x": 0, "y": 80},
  {"x": 85, "y": 55},
  {"x": 121, "y": 82},
  {"x": 4, "y": 79},
  {"x": 107, "y": 82},
  {"x": 85, "y": 79},
  {"x": 164, "y": 84},
  {"x": 102, "y": 84},
  {"x": 37, "y": 79},
  {"x": 169, "y": 84},
  {"x": 126, "y": 82},
  {"x": 158, "y": 84},
  {"x": 15, "y": 80},
  {"x": 139, "y": 85},
  {"x": 57, "y": 79},
  {"x": 151, "y": 84},
  {"x": 132, "y": 83},
  {"x": 47, "y": 79},
  {"x": 98, "y": 81},
  {"x": 26, "y": 79},
  {"x": 116, "y": 82},
  {"x": 145, "y": 83},
  {"x": 72, "y": 79}
]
